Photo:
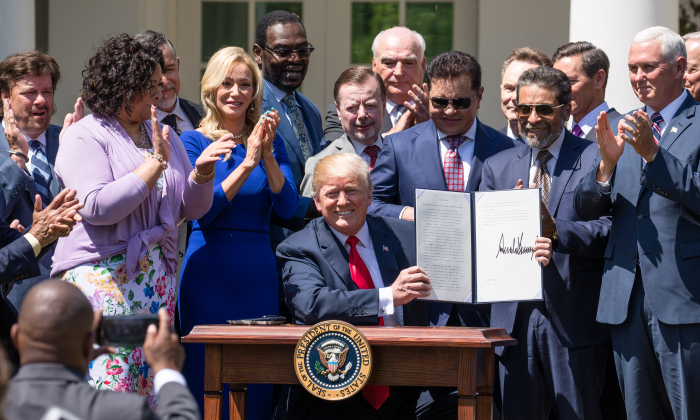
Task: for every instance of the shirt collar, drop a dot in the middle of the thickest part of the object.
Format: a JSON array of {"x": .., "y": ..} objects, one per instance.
[
  {"x": 591, "y": 119},
  {"x": 390, "y": 106},
  {"x": 278, "y": 93},
  {"x": 177, "y": 111},
  {"x": 553, "y": 148},
  {"x": 41, "y": 139},
  {"x": 471, "y": 133},
  {"x": 510, "y": 133},
  {"x": 359, "y": 147},
  {"x": 362, "y": 235},
  {"x": 670, "y": 111}
]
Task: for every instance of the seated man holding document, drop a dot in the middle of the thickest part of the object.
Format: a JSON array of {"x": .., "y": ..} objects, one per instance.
[{"x": 559, "y": 362}]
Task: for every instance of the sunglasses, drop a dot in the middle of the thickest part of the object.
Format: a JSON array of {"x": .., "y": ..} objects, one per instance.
[
  {"x": 543, "y": 110},
  {"x": 304, "y": 52},
  {"x": 457, "y": 103}
]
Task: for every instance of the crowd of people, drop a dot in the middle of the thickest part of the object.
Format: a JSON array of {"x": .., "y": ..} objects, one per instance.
[{"x": 245, "y": 206}]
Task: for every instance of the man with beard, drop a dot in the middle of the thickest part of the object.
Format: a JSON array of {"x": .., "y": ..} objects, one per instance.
[
  {"x": 28, "y": 147},
  {"x": 559, "y": 362},
  {"x": 360, "y": 99}
]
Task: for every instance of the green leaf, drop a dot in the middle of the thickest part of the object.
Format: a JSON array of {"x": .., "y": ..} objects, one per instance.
[
  {"x": 105, "y": 271},
  {"x": 157, "y": 248},
  {"x": 116, "y": 258},
  {"x": 139, "y": 279},
  {"x": 131, "y": 295},
  {"x": 150, "y": 275},
  {"x": 318, "y": 367},
  {"x": 137, "y": 303}
]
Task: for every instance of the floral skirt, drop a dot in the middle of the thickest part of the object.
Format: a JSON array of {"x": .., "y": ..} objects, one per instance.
[{"x": 105, "y": 284}]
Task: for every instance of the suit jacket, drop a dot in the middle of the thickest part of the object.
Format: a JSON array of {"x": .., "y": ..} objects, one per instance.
[
  {"x": 312, "y": 121},
  {"x": 39, "y": 386},
  {"x": 341, "y": 145},
  {"x": 504, "y": 130},
  {"x": 194, "y": 111},
  {"x": 334, "y": 130},
  {"x": 317, "y": 281},
  {"x": 572, "y": 278},
  {"x": 613, "y": 118},
  {"x": 411, "y": 159},
  {"x": 656, "y": 219}
]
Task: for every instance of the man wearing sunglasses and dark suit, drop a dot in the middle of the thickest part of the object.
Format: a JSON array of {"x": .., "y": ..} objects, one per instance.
[
  {"x": 444, "y": 153},
  {"x": 560, "y": 359}
]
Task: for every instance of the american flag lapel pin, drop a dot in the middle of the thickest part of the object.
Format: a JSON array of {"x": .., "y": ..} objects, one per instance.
[
  {"x": 674, "y": 129},
  {"x": 385, "y": 248}
]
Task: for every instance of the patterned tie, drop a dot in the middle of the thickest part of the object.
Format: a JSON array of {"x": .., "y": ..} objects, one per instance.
[
  {"x": 656, "y": 121},
  {"x": 542, "y": 177},
  {"x": 41, "y": 172},
  {"x": 374, "y": 394},
  {"x": 453, "y": 166},
  {"x": 400, "y": 109},
  {"x": 576, "y": 131},
  {"x": 172, "y": 122},
  {"x": 297, "y": 124},
  {"x": 372, "y": 151}
]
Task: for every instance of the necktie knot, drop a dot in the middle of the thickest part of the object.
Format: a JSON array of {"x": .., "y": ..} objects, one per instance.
[
  {"x": 372, "y": 151},
  {"x": 289, "y": 100},
  {"x": 544, "y": 156},
  {"x": 171, "y": 121},
  {"x": 35, "y": 144},
  {"x": 657, "y": 118},
  {"x": 656, "y": 121},
  {"x": 576, "y": 131},
  {"x": 455, "y": 141},
  {"x": 352, "y": 241}
]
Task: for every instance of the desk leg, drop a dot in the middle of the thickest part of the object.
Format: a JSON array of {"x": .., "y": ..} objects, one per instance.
[
  {"x": 213, "y": 402},
  {"x": 466, "y": 384},
  {"x": 237, "y": 401},
  {"x": 484, "y": 383}
]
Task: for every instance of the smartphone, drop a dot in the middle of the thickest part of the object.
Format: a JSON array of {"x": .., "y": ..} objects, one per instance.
[
  {"x": 264, "y": 320},
  {"x": 125, "y": 330}
]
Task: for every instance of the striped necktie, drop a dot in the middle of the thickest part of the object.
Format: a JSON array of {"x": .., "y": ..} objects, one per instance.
[
  {"x": 41, "y": 172},
  {"x": 400, "y": 110},
  {"x": 656, "y": 121},
  {"x": 297, "y": 124}
]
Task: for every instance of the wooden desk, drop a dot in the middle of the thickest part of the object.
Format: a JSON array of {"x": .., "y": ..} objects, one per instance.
[{"x": 408, "y": 356}]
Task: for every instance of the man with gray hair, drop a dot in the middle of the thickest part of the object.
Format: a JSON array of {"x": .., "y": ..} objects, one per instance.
[
  {"x": 691, "y": 80},
  {"x": 398, "y": 56},
  {"x": 647, "y": 176},
  {"x": 559, "y": 362}
]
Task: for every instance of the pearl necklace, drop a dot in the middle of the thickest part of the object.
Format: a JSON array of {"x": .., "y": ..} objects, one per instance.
[
  {"x": 240, "y": 135},
  {"x": 143, "y": 142}
]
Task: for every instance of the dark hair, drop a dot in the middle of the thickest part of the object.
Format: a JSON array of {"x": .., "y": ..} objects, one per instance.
[
  {"x": 271, "y": 19},
  {"x": 546, "y": 77},
  {"x": 120, "y": 70},
  {"x": 357, "y": 75},
  {"x": 20, "y": 65},
  {"x": 592, "y": 58},
  {"x": 453, "y": 64},
  {"x": 153, "y": 37},
  {"x": 527, "y": 55}
]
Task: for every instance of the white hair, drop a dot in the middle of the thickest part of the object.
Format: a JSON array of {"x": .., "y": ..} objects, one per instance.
[
  {"x": 419, "y": 40},
  {"x": 672, "y": 45},
  {"x": 692, "y": 35}
]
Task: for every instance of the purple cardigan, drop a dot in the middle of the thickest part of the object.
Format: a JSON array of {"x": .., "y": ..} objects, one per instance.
[{"x": 97, "y": 158}]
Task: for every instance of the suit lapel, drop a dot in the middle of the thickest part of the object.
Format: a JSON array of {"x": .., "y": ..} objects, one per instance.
[
  {"x": 681, "y": 121},
  {"x": 566, "y": 163},
  {"x": 386, "y": 123},
  {"x": 191, "y": 112},
  {"x": 285, "y": 128},
  {"x": 482, "y": 149},
  {"x": 344, "y": 145},
  {"x": 384, "y": 251},
  {"x": 521, "y": 167},
  {"x": 334, "y": 252},
  {"x": 428, "y": 153}
]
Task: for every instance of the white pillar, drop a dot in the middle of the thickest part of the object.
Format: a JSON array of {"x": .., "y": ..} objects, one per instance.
[
  {"x": 17, "y": 25},
  {"x": 611, "y": 25}
]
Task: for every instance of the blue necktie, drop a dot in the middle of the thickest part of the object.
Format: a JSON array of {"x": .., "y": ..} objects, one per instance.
[
  {"x": 297, "y": 124},
  {"x": 656, "y": 121},
  {"x": 41, "y": 172}
]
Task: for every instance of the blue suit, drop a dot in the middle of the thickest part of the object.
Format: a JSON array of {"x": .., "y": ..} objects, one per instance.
[
  {"x": 18, "y": 192},
  {"x": 411, "y": 159},
  {"x": 569, "y": 347},
  {"x": 318, "y": 287},
  {"x": 654, "y": 307}
]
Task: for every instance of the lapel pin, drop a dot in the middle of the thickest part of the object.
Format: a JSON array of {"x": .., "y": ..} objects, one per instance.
[
  {"x": 385, "y": 248},
  {"x": 674, "y": 129}
]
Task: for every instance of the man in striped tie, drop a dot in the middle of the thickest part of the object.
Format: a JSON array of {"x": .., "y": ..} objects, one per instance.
[{"x": 28, "y": 145}]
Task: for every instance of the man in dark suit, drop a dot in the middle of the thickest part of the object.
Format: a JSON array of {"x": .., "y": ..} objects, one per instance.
[
  {"x": 559, "y": 362},
  {"x": 647, "y": 175},
  {"x": 28, "y": 147},
  {"x": 516, "y": 63},
  {"x": 55, "y": 333},
  {"x": 415, "y": 157},
  {"x": 587, "y": 67},
  {"x": 398, "y": 56}
]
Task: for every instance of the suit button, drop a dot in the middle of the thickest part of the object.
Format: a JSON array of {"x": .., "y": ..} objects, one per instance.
[{"x": 640, "y": 217}]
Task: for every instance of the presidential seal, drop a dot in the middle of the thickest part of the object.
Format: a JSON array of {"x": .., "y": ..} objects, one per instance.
[{"x": 333, "y": 360}]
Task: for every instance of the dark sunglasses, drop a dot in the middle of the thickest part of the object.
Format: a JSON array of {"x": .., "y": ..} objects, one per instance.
[
  {"x": 286, "y": 52},
  {"x": 457, "y": 103},
  {"x": 543, "y": 110}
]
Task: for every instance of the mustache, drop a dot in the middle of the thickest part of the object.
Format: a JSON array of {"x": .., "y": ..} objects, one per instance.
[
  {"x": 170, "y": 86},
  {"x": 39, "y": 109},
  {"x": 527, "y": 126}
]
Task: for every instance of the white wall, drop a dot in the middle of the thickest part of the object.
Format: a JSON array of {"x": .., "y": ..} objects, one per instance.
[
  {"x": 16, "y": 27},
  {"x": 613, "y": 30}
]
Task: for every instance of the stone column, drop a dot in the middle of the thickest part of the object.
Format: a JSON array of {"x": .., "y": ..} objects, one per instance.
[{"x": 17, "y": 24}]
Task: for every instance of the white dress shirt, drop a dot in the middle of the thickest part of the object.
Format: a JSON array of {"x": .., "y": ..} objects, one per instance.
[
  {"x": 359, "y": 148},
  {"x": 183, "y": 121},
  {"x": 165, "y": 376},
  {"x": 554, "y": 149},
  {"x": 393, "y": 112},
  {"x": 366, "y": 250},
  {"x": 589, "y": 122},
  {"x": 42, "y": 141},
  {"x": 279, "y": 94}
]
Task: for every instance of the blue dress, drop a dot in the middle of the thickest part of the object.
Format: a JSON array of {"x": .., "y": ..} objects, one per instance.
[{"x": 229, "y": 270}]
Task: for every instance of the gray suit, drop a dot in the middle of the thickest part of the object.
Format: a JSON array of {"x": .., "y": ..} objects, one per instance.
[
  {"x": 334, "y": 130},
  {"x": 613, "y": 118},
  {"x": 40, "y": 386},
  {"x": 341, "y": 145}
]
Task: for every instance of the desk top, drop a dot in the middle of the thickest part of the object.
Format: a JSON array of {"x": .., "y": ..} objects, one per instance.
[{"x": 376, "y": 335}]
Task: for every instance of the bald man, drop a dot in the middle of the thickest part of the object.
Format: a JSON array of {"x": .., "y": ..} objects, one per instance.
[{"x": 54, "y": 334}]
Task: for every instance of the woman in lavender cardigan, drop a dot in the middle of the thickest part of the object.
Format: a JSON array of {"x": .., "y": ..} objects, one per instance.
[{"x": 137, "y": 184}]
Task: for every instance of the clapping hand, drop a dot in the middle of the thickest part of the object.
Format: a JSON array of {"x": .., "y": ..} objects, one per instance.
[
  {"x": 270, "y": 120},
  {"x": 421, "y": 104},
  {"x": 610, "y": 146},
  {"x": 15, "y": 138},
  {"x": 57, "y": 219},
  {"x": 642, "y": 140},
  {"x": 212, "y": 154},
  {"x": 161, "y": 139},
  {"x": 73, "y": 117}
]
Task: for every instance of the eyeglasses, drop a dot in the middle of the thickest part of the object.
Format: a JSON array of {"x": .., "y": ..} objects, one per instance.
[
  {"x": 457, "y": 103},
  {"x": 303, "y": 52},
  {"x": 543, "y": 110}
]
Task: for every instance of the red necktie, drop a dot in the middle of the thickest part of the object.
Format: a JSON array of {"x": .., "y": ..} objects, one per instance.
[
  {"x": 453, "y": 166},
  {"x": 374, "y": 394},
  {"x": 372, "y": 151}
]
